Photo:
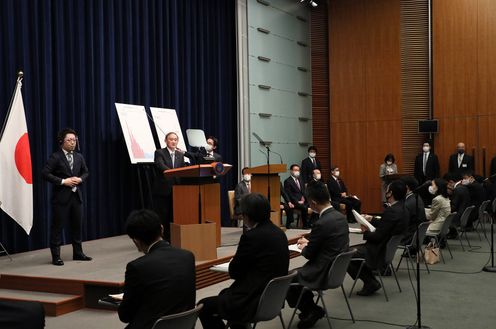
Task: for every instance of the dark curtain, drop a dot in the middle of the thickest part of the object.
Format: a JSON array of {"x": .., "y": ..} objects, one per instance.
[{"x": 80, "y": 57}]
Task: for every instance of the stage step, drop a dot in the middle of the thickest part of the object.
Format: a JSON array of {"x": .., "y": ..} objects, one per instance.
[{"x": 54, "y": 304}]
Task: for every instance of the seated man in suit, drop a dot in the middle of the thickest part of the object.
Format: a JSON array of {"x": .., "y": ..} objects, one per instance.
[
  {"x": 262, "y": 255},
  {"x": 309, "y": 164},
  {"x": 167, "y": 158},
  {"x": 295, "y": 189},
  {"x": 329, "y": 237},
  {"x": 242, "y": 189},
  {"x": 21, "y": 315},
  {"x": 460, "y": 200},
  {"x": 394, "y": 221},
  {"x": 287, "y": 206},
  {"x": 477, "y": 195},
  {"x": 161, "y": 282},
  {"x": 415, "y": 208},
  {"x": 461, "y": 162},
  {"x": 339, "y": 193}
]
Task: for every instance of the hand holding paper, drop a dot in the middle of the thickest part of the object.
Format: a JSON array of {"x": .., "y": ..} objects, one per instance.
[{"x": 362, "y": 221}]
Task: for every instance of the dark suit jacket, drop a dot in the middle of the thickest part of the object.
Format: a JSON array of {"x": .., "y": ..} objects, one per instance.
[
  {"x": 467, "y": 163},
  {"x": 394, "y": 221},
  {"x": 336, "y": 189},
  {"x": 262, "y": 255},
  {"x": 307, "y": 168},
  {"x": 416, "y": 215},
  {"x": 197, "y": 157},
  {"x": 329, "y": 237},
  {"x": 293, "y": 192},
  {"x": 492, "y": 168},
  {"x": 159, "y": 283},
  {"x": 431, "y": 167},
  {"x": 21, "y": 315},
  {"x": 163, "y": 186},
  {"x": 239, "y": 191},
  {"x": 57, "y": 168},
  {"x": 460, "y": 199}
]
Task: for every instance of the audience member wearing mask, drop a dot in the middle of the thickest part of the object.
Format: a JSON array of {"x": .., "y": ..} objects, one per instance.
[
  {"x": 309, "y": 164},
  {"x": 426, "y": 165},
  {"x": 460, "y": 200},
  {"x": 295, "y": 189},
  {"x": 339, "y": 193},
  {"x": 243, "y": 188},
  {"x": 477, "y": 196},
  {"x": 441, "y": 207},
  {"x": 386, "y": 169},
  {"x": 287, "y": 206},
  {"x": 414, "y": 206},
  {"x": 460, "y": 162}
]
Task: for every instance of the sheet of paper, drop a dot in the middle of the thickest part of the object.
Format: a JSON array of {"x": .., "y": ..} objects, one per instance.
[
  {"x": 361, "y": 220},
  {"x": 355, "y": 230},
  {"x": 117, "y": 296},
  {"x": 294, "y": 247},
  {"x": 224, "y": 267}
]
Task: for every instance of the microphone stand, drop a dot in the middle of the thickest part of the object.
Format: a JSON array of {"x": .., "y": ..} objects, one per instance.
[
  {"x": 492, "y": 268},
  {"x": 419, "y": 312},
  {"x": 268, "y": 171}
]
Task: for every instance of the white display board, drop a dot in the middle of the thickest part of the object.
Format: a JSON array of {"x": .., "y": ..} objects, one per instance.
[
  {"x": 137, "y": 132},
  {"x": 166, "y": 121}
]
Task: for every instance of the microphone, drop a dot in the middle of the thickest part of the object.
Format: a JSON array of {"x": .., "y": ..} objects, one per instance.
[
  {"x": 261, "y": 141},
  {"x": 280, "y": 156},
  {"x": 265, "y": 155},
  {"x": 422, "y": 186}
]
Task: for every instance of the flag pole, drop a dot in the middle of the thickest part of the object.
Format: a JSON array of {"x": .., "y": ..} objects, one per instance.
[{"x": 20, "y": 75}]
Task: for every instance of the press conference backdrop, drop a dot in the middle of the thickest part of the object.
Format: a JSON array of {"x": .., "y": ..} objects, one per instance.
[{"x": 80, "y": 57}]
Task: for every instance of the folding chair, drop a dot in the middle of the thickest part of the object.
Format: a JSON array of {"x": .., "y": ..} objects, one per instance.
[
  {"x": 271, "y": 301},
  {"x": 391, "y": 248},
  {"x": 183, "y": 320},
  {"x": 462, "y": 230},
  {"x": 482, "y": 218},
  {"x": 407, "y": 249},
  {"x": 335, "y": 278},
  {"x": 441, "y": 236}
]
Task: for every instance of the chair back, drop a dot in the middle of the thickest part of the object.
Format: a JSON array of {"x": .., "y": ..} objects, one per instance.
[
  {"x": 422, "y": 229},
  {"x": 183, "y": 320},
  {"x": 466, "y": 216},
  {"x": 494, "y": 206},
  {"x": 337, "y": 272},
  {"x": 447, "y": 224},
  {"x": 273, "y": 297},
  {"x": 391, "y": 248},
  {"x": 483, "y": 208},
  {"x": 230, "y": 197}
]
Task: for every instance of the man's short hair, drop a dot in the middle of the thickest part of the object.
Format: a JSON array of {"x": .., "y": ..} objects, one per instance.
[
  {"x": 333, "y": 167},
  {"x": 454, "y": 177},
  {"x": 293, "y": 165},
  {"x": 398, "y": 189},
  {"x": 170, "y": 133},
  {"x": 317, "y": 192},
  {"x": 143, "y": 225},
  {"x": 468, "y": 173},
  {"x": 64, "y": 132},
  {"x": 256, "y": 207},
  {"x": 410, "y": 181},
  {"x": 243, "y": 170},
  {"x": 215, "y": 140},
  {"x": 312, "y": 148}
]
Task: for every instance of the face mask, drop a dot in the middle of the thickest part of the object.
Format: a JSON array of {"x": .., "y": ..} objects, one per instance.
[
  {"x": 208, "y": 148},
  {"x": 461, "y": 151},
  {"x": 426, "y": 149},
  {"x": 336, "y": 173},
  {"x": 318, "y": 176},
  {"x": 247, "y": 177},
  {"x": 465, "y": 181},
  {"x": 312, "y": 154},
  {"x": 296, "y": 174},
  {"x": 432, "y": 190},
  {"x": 389, "y": 163}
]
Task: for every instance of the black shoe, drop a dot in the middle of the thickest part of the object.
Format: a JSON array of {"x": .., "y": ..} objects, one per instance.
[
  {"x": 369, "y": 289},
  {"x": 312, "y": 317},
  {"x": 82, "y": 257},
  {"x": 57, "y": 261}
]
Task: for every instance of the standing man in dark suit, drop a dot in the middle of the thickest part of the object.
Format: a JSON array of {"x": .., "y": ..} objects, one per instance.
[
  {"x": 161, "y": 282},
  {"x": 242, "y": 189},
  {"x": 261, "y": 256},
  {"x": 167, "y": 158},
  {"x": 295, "y": 189},
  {"x": 394, "y": 221},
  {"x": 339, "y": 193},
  {"x": 426, "y": 165},
  {"x": 415, "y": 208},
  {"x": 329, "y": 237},
  {"x": 67, "y": 171},
  {"x": 461, "y": 162},
  {"x": 309, "y": 164},
  {"x": 460, "y": 200}
]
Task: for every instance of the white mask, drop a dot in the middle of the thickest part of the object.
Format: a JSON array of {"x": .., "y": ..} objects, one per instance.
[
  {"x": 318, "y": 176},
  {"x": 247, "y": 177},
  {"x": 432, "y": 190},
  {"x": 296, "y": 174},
  {"x": 465, "y": 181},
  {"x": 336, "y": 173},
  {"x": 208, "y": 148},
  {"x": 426, "y": 149},
  {"x": 312, "y": 154},
  {"x": 389, "y": 163}
]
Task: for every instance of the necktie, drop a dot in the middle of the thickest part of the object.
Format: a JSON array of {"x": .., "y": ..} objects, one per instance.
[
  {"x": 460, "y": 159},
  {"x": 425, "y": 163},
  {"x": 172, "y": 158},
  {"x": 248, "y": 185},
  {"x": 297, "y": 183},
  {"x": 313, "y": 162},
  {"x": 70, "y": 159},
  {"x": 337, "y": 181}
]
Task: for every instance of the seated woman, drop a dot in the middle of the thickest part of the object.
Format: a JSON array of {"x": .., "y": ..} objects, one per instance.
[{"x": 440, "y": 208}]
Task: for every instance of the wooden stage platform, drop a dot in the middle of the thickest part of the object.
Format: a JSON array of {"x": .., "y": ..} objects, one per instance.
[{"x": 77, "y": 284}]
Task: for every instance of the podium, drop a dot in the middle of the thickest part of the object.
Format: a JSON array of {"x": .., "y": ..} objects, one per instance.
[
  {"x": 196, "y": 201},
  {"x": 390, "y": 178},
  {"x": 262, "y": 177}
]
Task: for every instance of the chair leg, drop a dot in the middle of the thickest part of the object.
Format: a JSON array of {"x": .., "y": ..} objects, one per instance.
[
  {"x": 425, "y": 263},
  {"x": 460, "y": 239},
  {"x": 348, "y": 303},
  {"x": 399, "y": 263},
  {"x": 395, "y": 277},
  {"x": 468, "y": 241},
  {"x": 4, "y": 251},
  {"x": 325, "y": 309},
  {"x": 356, "y": 278},
  {"x": 383, "y": 287},
  {"x": 282, "y": 321},
  {"x": 449, "y": 249},
  {"x": 296, "y": 307}
]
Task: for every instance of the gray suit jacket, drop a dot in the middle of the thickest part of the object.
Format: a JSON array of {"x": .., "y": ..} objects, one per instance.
[
  {"x": 329, "y": 237},
  {"x": 239, "y": 191}
]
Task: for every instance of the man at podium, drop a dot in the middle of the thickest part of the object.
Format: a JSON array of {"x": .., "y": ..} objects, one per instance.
[{"x": 167, "y": 158}]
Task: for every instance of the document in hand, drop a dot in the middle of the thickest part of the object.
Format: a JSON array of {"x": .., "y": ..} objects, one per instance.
[
  {"x": 224, "y": 267},
  {"x": 117, "y": 296},
  {"x": 294, "y": 247},
  {"x": 360, "y": 219},
  {"x": 354, "y": 230}
]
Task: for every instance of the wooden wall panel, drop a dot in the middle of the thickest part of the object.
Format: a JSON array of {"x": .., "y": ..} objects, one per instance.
[{"x": 364, "y": 71}]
